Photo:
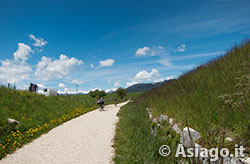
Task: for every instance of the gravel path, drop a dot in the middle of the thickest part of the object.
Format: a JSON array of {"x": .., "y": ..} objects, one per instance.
[{"x": 86, "y": 139}]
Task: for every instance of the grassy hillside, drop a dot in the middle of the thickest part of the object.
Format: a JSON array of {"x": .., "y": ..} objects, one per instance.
[
  {"x": 215, "y": 98},
  {"x": 37, "y": 114}
]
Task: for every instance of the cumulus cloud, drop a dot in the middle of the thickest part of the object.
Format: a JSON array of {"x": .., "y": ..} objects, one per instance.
[
  {"x": 61, "y": 85},
  {"x": 143, "y": 76},
  {"x": 22, "y": 52},
  {"x": 60, "y": 68},
  {"x": 76, "y": 81},
  {"x": 147, "y": 76},
  {"x": 16, "y": 70},
  {"x": 38, "y": 42},
  {"x": 181, "y": 48},
  {"x": 150, "y": 51},
  {"x": 106, "y": 63},
  {"x": 144, "y": 51},
  {"x": 117, "y": 83}
]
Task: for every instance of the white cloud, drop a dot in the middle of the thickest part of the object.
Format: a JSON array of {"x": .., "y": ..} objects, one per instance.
[
  {"x": 166, "y": 61},
  {"x": 41, "y": 86},
  {"x": 209, "y": 54},
  {"x": 72, "y": 91},
  {"x": 161, "y": 47},
  {"x": 155, "y": 77},
  {"x": 39, "y": 42},
  {"x": 147, "y": 76},
  {"x": 161, "y": 79},
  {"x": 92, "y": 66},
  {"x": 48, "y": 69},
  {"x": 61, "y": 85},
  {"x": 110, "y": 90},
  {"x": 14, "y": 71},
  {"x": 22, "y": 52},
  {"x": 117, "y": 83},
  {"x": 169, "y": 61},
  {"x": 144, "y": 51},
  {"x": 76, "y": 81},
  {"x": 130, "y": 83},
  {"x": 170, "y": 77},
  {"x": 181, "y": 48},
  {"x": 143, "y": 76},
  {"x": 109, "y": 81},
  {"x": 66, "y": 90},
  {"x": 158, "y": 80},
  {"x": 106, "y": 63}
]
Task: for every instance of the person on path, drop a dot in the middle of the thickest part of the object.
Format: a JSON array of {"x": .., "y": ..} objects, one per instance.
[
  {"x": 115, "y": 101},
  {"x": 100, "y": 102}
]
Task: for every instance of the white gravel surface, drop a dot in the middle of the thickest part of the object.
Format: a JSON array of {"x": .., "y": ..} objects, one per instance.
[{"x": 86, "y": 139}]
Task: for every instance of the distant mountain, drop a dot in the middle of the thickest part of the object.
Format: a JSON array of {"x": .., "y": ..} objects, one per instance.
[{"x": 142, "y": 87}]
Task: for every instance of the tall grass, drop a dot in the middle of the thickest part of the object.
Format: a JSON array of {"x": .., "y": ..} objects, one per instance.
[
  {"x": 196, "y": 95},
  {"x": 134, "y": 142}
]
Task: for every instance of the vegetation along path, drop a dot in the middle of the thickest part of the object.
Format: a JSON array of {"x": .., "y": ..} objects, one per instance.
[{"x": 86, "y": 139}]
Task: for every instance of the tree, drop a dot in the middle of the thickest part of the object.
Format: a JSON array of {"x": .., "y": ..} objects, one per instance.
[
  {"x": 102, "y": 93},
  {"x": 121, "y": 93},
  {"x": 97, "y": 93},
  {"x": 92, "y": 94}
]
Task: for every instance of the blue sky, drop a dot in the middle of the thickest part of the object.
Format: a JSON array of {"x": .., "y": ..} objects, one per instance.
[{"x": 114, "y": 43}]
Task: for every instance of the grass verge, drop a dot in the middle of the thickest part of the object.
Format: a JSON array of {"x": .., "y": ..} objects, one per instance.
[{"x": 134, "y": 142}]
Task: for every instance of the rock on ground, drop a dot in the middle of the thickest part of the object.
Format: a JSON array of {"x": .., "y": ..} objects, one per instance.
[{"x": 185, "y": 139}]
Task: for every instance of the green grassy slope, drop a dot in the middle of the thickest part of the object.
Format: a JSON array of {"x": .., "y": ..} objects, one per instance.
[
  {"x": 196, "y": 94},
  {"x": 37, "y": 114}
]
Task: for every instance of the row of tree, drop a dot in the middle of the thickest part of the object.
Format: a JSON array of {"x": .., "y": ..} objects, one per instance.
[{"x": 121, "y": 93}]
